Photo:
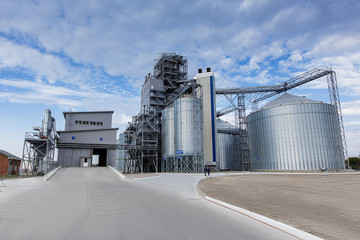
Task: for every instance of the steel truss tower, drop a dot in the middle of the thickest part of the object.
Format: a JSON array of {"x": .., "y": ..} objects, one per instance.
[
  {"x": 170, "y": 68},
  {"x": 38, "y": 155},
  {"x": 335, "y": 100},
  {"x": 254, "y": 95},
  {"x": 142, "y": 144},
  {"x": 39, "y": 148}
]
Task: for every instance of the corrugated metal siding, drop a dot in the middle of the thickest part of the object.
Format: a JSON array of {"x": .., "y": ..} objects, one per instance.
[
  {"x": 167, "y": 133},
  {"x": 226, "y": 151},
  {"x": 120, "y": 154},
  {"x": 295, "y": 137},
  {"x": 188, "y": 125}
]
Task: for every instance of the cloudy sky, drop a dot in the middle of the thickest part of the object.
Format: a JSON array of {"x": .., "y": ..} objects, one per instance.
[{"x": 94, "y": 54}]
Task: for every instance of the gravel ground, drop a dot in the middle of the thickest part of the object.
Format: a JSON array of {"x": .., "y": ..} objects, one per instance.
[{"x": 326, "y": 205}]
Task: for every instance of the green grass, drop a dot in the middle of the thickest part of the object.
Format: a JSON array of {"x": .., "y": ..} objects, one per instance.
[
  {"x": 14, "y": 176},
  {"x": 8, "y": 176}
]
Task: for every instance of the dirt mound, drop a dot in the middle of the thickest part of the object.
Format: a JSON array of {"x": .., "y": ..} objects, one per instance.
[{"x": 326, "y": 205}]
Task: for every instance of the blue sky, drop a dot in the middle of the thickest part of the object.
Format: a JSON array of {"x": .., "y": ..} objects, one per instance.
[{"x": 94, "y": 55}]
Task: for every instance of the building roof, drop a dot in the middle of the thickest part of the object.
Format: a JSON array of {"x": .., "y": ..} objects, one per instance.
[
  {"x": 87, "y": 112},
  {"x": 89, "y": 130},
  {"x": 288, "y": 99},
  {"x": 9, "y": 155}
]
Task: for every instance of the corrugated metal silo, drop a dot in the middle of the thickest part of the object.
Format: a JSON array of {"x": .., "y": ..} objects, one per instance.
[
  {"x": 188, "y": 125},
  {"x": 295, "y": 133},
  {"x": 168, "y": 132},
  {"x": 228, "y": 142},
  {"x": 120, "y": 153}
]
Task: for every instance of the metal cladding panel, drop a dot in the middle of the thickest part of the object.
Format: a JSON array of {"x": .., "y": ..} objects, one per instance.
[
  {"x": 188, "y": 125},
  {"x": 69, "y": 157},
  {"x": 111, "y": 157},
  {"x": 106, "y": 136},
  {"x": 207, "y": 82},
  {"x": 168, "y": 132},
  {"x": 295, "y": 137},
  {"x": 226, "y": 151},
  {"x": 71, "y": 119}
]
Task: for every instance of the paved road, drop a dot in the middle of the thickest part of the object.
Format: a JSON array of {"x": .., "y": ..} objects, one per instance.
[{"x": 93, "y": 203}]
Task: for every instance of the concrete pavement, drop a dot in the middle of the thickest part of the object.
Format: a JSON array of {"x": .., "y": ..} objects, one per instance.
[
  {"x": 185, "y": 186},
  {"x": 94, "y": 203}
]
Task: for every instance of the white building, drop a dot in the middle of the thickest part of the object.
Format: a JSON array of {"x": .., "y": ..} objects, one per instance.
[{"x": 88, "y": 140}]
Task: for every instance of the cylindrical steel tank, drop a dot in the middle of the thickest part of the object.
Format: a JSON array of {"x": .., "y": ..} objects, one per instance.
[
  {"x": 47, "y": 123},
  {"x": 167, "y": 132},
  {"x": 295, "y": 133},
  {"x": 120, "y": 153},
  {"x": 188, "y": 125},
  {"x": 228, "y": 140}
]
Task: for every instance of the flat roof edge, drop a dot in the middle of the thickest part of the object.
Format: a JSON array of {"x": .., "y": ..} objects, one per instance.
[
  {"x": 65, "y": 113},
  {"x": 89, "y": 130}
]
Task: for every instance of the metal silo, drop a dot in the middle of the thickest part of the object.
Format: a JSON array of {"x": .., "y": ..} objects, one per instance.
[
  {"x": 188, "y": 125},
  {"x": 182, "y": 136},
  {"x": 47, "y": 123},
  {"x": 295, "y": 133},
  {"x": 228, "y": 142},
  {"x": 167, "y": 133},
  {"x": 120, "y": 153}
]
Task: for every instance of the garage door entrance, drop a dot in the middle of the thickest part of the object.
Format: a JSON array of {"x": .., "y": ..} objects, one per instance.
[{"x": 102, "y": 152}]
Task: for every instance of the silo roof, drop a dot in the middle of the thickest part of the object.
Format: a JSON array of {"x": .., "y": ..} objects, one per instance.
[
  {"x": 288, "y": 99},
  {"x": 221, "y": 124}
]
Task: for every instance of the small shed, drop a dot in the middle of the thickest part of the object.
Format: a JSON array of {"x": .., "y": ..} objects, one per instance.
[{"x": 9, "y": 163}]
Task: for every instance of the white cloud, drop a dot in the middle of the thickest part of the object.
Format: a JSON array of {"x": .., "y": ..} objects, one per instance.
[
  {"x": 247, "y": 5},
  {"x": 291, "y": 20},
  {"x": 53, "y": 68},
  {"x": 350, "y": 108},
  {"x": 246, "y": 40},
  {"x": 34, "y": 92},
  {"x": 336, "y": 44}
]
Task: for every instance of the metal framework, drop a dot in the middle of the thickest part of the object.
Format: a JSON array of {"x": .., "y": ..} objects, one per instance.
[
  {"x": 156, "y": 95},
  {"x": 171, "y": 68},
  {"x": 254, "y": 95},
  {"x": 335, "y": 100},
  {"x": 38, "y": 153},
  {"x": 142, "y": 142},
  {"x": 142, "y": 148},
  {"x": 184, "y": 164}
]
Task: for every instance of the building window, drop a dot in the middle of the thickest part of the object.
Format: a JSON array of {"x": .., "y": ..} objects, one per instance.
[{"x": 88, "y": 122}]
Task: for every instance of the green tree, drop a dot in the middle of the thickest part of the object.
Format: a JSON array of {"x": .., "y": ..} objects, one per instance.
[{"x": 354, "y": 162}]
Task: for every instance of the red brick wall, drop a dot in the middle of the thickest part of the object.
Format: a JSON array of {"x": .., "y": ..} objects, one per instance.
[{"x": 4, "y": 165}]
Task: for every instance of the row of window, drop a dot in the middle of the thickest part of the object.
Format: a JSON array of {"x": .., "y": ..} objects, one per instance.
[{"x": 88, "y": 122}]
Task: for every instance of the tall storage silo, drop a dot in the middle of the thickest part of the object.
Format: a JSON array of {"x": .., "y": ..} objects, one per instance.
[
  {"x": 182, "y": 136},
  {"x": 228, "y": 141},
  {"x": 295, "y": 133},
  {"x": 120, "y": 153},
  {"x": 167, "y": 136},
  {"x": 188, "y": 125}
]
